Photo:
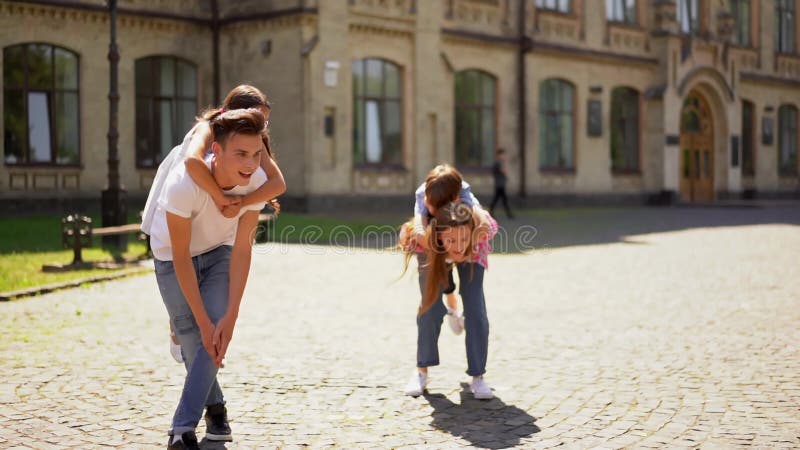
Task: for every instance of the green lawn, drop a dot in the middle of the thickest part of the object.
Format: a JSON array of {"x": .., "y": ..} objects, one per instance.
[{"x": 28, "y": 243}]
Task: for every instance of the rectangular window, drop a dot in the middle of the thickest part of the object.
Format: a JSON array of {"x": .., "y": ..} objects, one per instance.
[
  {"x": 373, "y": 132},
  {"x": 623, "y": 11},
  {"x": 67, "y": 128},
  {"x": 39, "y": 127},
  {"x": 748, "y": 142},
  {"x": 785, "y": 26},
  {"x": 475, "y": 113},
  {"x": 16, "y": 131},
  {"x": 556, "y": 125},
  {"x": 554, "y": 5},
  {"x": 787, "y": 140},
  {"x": 688, "y": 14},
  {"x": 740, "y": 10},
  {"x": 624, "y": 129}
]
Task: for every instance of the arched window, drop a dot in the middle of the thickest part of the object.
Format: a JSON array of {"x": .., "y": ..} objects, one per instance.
[
  {"x": 475, "y": 112},
  {"x": 166, "y": 105},
  {"x": 40, "y": 105},
  {"x": 556, "y": 124},
  {"x": 624, "y": 129},
  {"x": 787, "y": 140},
  {"x": 377, "y": 112}
]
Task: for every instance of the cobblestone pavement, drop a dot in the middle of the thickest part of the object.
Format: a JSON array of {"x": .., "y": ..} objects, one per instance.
[{"x": 687, "y": 337}]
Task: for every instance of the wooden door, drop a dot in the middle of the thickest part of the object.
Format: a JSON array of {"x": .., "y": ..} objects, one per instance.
[{"x": 696, "y": 150}]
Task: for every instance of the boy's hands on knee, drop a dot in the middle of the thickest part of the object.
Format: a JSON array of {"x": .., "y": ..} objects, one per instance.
[
  {"x": 223, "y": 333},
  {"x": 207, "y": 333}
]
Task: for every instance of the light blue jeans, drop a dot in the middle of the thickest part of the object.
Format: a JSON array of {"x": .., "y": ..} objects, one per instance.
[
  {"x": 476, "y": 322},
  {"x": 200, "y": 387}
]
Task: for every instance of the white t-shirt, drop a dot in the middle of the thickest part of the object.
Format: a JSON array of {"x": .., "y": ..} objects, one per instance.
[{"x": 210, "y": 229}]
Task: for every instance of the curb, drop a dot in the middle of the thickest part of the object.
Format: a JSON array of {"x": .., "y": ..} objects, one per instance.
[{"x": 38, "y": 290}]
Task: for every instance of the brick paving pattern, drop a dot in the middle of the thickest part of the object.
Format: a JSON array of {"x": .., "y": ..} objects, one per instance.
[{"x": 683, "y": 338}]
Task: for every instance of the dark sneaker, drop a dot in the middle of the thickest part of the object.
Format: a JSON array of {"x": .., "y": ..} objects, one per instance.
[
  {"x": 188, "y": 442},
  {"x": 217, "y": 427}
]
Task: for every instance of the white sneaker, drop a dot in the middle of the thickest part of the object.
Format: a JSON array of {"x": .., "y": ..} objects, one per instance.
[
  {"x": 480, "y": 389},
  {"x": 455, "y": 320},
  {"x": 417, "y": 384},
  {"x": 175, "y": 350}
]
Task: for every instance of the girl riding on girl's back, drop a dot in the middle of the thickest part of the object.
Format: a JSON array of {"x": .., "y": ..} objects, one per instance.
[{"x": 453, "y": 239}]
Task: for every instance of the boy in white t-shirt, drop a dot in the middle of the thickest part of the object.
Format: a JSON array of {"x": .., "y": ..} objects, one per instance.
[{"x": 202, "y": 260}]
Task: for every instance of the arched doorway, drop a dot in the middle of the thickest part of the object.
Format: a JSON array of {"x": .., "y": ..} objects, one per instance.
[{"x": 697, "y": 150}]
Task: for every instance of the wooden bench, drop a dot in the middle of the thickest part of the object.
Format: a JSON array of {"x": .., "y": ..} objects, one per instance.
[{"x": 77, "y": 234}]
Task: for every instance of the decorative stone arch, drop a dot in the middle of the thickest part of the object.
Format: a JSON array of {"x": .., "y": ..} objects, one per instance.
[
  {"x": 725, "y": 114},
  {"x": 712, "y": 76}
]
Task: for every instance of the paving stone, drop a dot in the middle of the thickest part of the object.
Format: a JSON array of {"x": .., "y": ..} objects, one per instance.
[{"x": 686, "y": 339}]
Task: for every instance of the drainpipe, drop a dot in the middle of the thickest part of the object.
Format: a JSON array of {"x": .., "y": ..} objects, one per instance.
[
  {"x": 524, "y": 47},
  {"x": 215, "y": 48}
]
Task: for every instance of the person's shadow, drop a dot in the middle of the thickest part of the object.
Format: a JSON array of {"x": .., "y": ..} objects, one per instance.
[
  {"x": 484, "y": 423},
  {"x": 205, "y": 444}
]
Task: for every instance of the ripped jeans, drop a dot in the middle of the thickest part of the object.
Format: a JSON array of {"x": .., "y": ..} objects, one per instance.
[{"x": 200, "y": 387}]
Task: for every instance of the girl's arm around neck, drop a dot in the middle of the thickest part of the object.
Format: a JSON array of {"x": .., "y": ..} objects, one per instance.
[
  {"x": 196, "y": 166},
  {"x": 273, "y": 187}
]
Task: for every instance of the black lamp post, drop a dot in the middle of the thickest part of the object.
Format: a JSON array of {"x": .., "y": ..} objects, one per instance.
[{"x": 114, "y": 198}]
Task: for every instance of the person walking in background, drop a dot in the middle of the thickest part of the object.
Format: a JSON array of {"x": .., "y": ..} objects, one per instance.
[{"x": 499, "y": 173}]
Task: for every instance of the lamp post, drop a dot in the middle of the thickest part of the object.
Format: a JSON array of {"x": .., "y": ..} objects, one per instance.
[{"x": 114, "y": 199}]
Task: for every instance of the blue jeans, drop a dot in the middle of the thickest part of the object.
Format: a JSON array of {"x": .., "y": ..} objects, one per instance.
[
  {"x": 476, "y": 323},
  {"x": 200, "y": 387}
]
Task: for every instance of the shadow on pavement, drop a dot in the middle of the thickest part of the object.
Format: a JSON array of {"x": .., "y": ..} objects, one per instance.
[
  {"x": 556, "y": 228},
  {"x": 484, "y": 423},
  {"x": 205, "y": 444},
  {"x": 540, "y": 229}
]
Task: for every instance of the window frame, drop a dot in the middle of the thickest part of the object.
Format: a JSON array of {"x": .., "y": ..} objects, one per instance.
[
  {"x": 51, "y": 93},
  {"x": 559, "y": 115},
  {"x": 481, "y": 108},
  {"x": 695, "y": 23},
  {"x": 748, "y": 142},
  {"x": 382, "y": 100},
  {"x": 741, "y": 22},
  {"x": 782, "y": 7},
  {"x": 153, "y": 100},
  {"x": 554, "y": 6},
  {"x": 788, "y": 170},
  {"x": 636, "y": 100},
  {"x": 625, "y": 20}
]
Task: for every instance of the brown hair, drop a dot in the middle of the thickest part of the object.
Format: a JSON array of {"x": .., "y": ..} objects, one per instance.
[
  {"x": 243, "y": 96},
  {"x": 442, "y": 185},
  {"x": 453, "y": 214},
  {"x": 237, "y": 121}
]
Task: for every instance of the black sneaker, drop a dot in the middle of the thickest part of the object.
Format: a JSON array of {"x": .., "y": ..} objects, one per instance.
[
  {"x": 217, "y": 427},
  {"x": 188, "y": 442}
]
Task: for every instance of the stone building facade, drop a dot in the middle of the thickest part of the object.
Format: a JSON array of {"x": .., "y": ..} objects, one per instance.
[{"x": 684, "y": 100}]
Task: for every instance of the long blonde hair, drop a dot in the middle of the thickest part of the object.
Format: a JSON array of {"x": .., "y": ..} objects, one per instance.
[{"x": 453, "y": 214}]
